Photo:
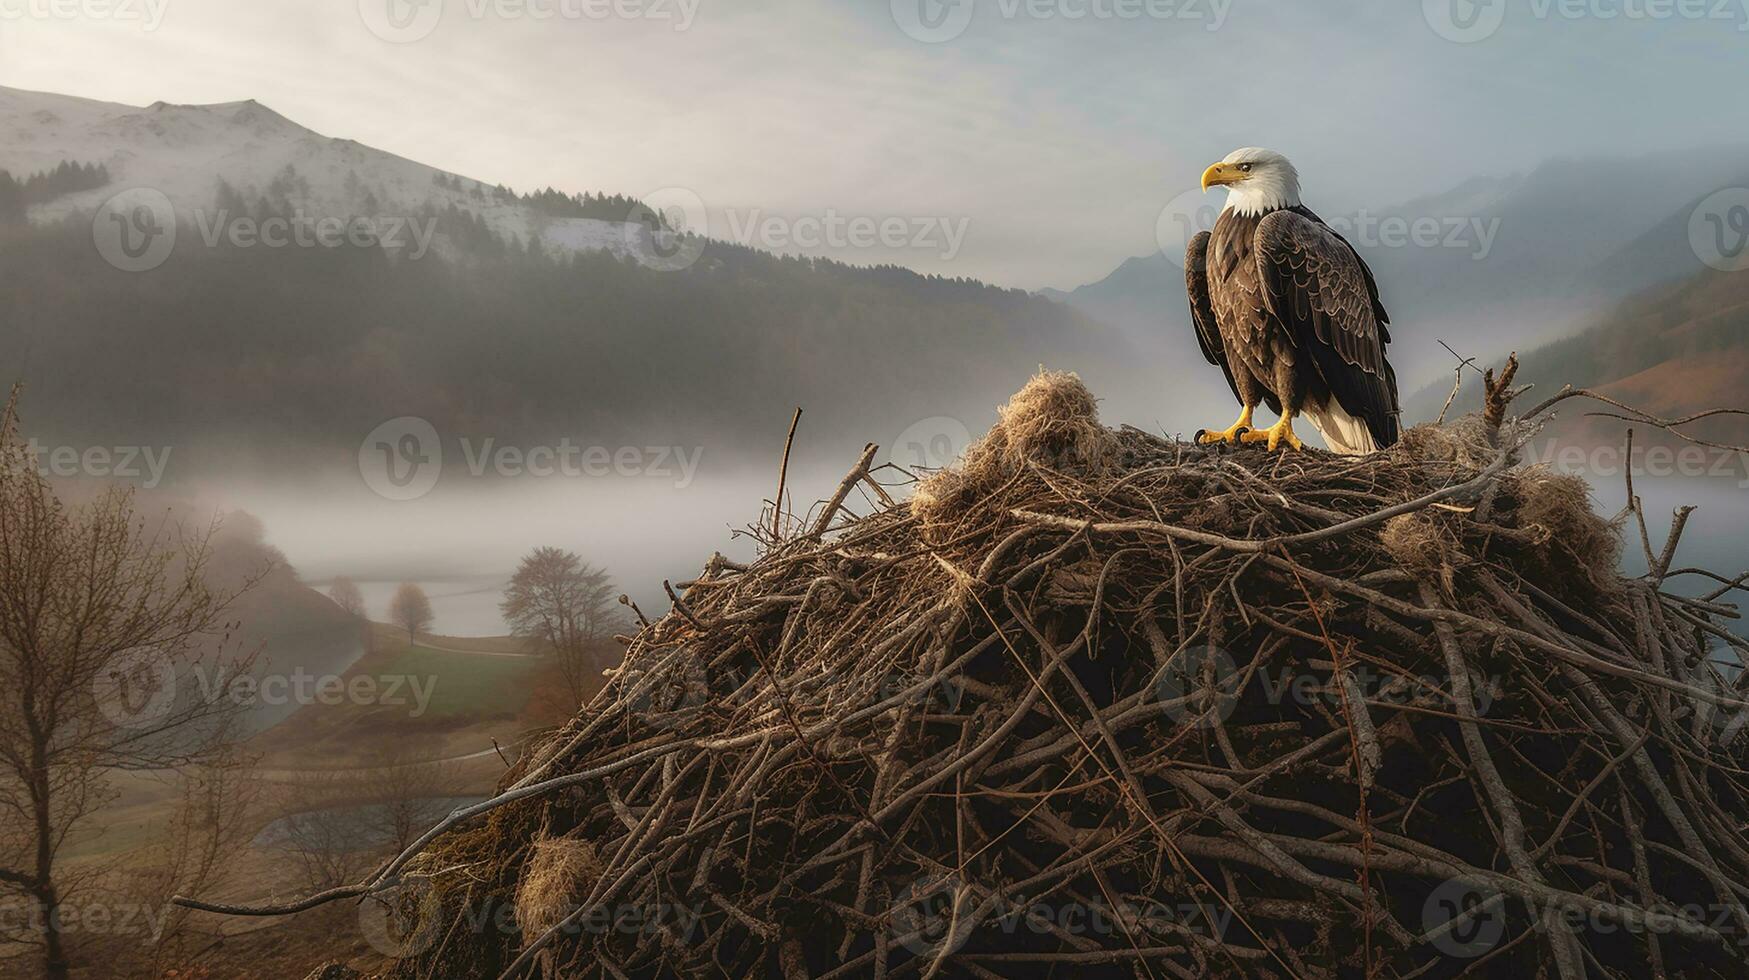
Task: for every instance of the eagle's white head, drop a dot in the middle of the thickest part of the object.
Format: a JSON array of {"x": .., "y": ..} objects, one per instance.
[{"x": 1257, "y": 181}]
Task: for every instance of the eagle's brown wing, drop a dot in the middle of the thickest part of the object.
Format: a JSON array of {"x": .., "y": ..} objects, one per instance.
[
  {"x": 1202, "y": 308},
  {"x": 1317, "y": 286}
]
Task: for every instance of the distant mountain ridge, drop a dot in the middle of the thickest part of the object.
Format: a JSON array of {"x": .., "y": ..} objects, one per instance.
[
  {"x": 743, "y": 328},
  {"x": 188, "y": 152},
  {"x": 283, "y": 359},
  {"x": 1567, "y": 240},
  {"x": 1673, "y": 350}
]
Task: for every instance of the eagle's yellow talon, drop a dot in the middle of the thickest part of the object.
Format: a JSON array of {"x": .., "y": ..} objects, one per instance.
[
  {"x": 1277, "y": 434},
  {"x": 1232, "y": 436},
  {"x": 1229, "y": 436}
]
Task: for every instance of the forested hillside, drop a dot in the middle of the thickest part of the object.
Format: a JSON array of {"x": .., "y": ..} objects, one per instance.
[
  {"x": 1673, "y": 350},
  {"x": 271, "y": 352}
]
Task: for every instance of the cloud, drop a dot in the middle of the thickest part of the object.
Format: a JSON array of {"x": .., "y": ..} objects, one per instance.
[{"x": 1057, "y": 140}]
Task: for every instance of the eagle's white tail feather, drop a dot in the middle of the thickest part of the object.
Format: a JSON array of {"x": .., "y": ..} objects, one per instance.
[{"x": 1345, "y": 434}]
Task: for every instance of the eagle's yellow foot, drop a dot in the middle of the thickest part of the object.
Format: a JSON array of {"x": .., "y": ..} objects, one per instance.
[
  {"x": 1277, "y": 434},
  {"x": 1229, "y": 436}
]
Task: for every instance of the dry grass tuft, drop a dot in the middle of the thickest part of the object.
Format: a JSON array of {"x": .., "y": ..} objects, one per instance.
[
  {"x": 1416, "y": 541},
  {"x": 559, "y": 874},
  {"x": 1462, "y": 442},
  {"x": 1052, "y": 422},
  {"x": 1080, "y": 650},
  {"x": 1556, "y": 508}
]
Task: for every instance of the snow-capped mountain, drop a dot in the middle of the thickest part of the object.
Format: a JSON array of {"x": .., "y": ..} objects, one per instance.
[{"x": 185, "y": 151}]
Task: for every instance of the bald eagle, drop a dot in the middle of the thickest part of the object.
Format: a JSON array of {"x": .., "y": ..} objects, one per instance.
[{"x": 1289, "y": 310}]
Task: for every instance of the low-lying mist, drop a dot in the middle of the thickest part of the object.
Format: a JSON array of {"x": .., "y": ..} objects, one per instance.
[{"x": 461, "y": 541}]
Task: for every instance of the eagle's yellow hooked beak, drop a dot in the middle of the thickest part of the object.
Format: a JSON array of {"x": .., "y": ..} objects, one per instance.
[{"x": 1221, "y": 175}]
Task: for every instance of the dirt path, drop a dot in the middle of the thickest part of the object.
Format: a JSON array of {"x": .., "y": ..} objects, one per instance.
[
  {"x": 282, "y": 775},
  {"x": 476, "y": 653}
]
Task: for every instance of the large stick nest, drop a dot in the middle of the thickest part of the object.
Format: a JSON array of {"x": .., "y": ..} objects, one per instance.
[{"x": 1100, "y": 702}]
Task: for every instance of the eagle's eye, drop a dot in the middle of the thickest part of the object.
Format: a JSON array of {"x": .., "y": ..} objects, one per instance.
[{"x": 1244, "y": 168}]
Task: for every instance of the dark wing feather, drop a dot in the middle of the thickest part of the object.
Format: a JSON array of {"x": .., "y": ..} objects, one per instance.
[
  {"x": 1202, "y": 308},
  {"x": 1320, "y": 289}
]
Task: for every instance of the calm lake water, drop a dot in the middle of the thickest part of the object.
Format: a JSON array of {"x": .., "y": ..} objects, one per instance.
[{"x": 462, "y": 543}]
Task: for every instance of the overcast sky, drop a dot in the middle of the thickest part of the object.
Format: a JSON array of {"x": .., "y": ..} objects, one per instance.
[{"x": 1056, "y": 141}]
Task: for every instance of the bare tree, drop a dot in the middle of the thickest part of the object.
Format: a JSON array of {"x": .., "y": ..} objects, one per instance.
[
  {"x": 346, "y": 595},
  {"x": 410, "y": 610},
  {"x": 556, "y": 598},
  {"x": 192, "y": 856},
  {"x": 410, "y": 792},
  {"x": 104, "y": 626},
  {"x": 324, "y": 836},
  {"x": 342, "y": 817}
]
